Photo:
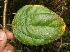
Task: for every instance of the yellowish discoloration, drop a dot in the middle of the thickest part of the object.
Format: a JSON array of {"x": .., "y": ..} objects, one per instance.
[{"x": 63, "y": 27}]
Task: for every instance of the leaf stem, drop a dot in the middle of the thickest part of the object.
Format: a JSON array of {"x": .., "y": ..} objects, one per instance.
[
  {"x": 4, "y": 15},
  {"x": 9, "y": 25}
]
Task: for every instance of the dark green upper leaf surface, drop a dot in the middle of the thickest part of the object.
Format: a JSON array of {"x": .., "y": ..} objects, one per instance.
[{"x": 37, "y": 25}]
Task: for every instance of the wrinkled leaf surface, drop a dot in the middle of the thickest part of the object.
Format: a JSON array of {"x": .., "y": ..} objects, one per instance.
[{"x": 37, "y": 25}]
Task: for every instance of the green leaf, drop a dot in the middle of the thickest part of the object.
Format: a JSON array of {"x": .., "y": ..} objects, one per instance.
[{"x": 37, "y": 25}]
